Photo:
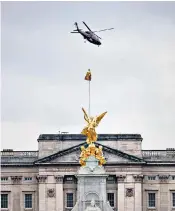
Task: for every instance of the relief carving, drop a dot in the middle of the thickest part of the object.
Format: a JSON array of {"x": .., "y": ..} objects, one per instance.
[
  {"x": 59, "y": 179},
  {"x": 121, "y": 178},
  {"x": 163, "y": 178},
  {"x": 138, "y": 178},
  {"x": 51, "y": 192},
  {"x": 129, "y": 192},
  {"x": 16, "y": 179},
  {"x": 41, "y": 178}
]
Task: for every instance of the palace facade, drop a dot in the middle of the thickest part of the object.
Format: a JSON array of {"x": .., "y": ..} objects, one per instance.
[{"x": 45, "y": 180}]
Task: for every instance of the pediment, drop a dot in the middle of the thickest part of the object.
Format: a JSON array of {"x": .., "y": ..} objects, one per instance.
[{"x": 72, "y": 154}]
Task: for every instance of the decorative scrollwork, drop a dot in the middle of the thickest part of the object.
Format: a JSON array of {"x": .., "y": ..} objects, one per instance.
[
  {"x": 163, "y": 178},
  {"x": 59, "y": 178},
  {"x": 121, "y": 178},
  {"x": 16, "y": 179},
  {"x": 41, "y": 178},
  {"x": 138, "y": 178}
]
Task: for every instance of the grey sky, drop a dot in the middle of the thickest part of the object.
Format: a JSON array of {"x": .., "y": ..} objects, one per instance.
[{"x": 43, "y": 69}]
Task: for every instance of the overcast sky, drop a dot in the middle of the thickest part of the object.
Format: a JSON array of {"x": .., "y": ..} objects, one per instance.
[{"x": 43, "y": 69}]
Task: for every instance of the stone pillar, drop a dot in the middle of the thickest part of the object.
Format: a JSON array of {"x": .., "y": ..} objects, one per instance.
[
  {"x": 16, "y": 180},
  {"x": 121, "y": 192},
  {"x": 138, "y": 192},
  {"x": 164, "y": 202},
  {"x": 103, "y": 189},
  {"x": 59, "y": 193},
  {"x": 42, "y": 192}
]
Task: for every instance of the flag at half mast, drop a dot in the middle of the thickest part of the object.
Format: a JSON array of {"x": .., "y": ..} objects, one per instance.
[{"x": 88, "y": 75}]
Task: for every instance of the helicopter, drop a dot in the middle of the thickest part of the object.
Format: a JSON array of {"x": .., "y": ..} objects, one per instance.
[{"x": 90, "y": 35}]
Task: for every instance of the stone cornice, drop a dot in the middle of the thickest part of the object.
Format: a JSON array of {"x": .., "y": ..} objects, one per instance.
[
  {"x": 16, "y": 179},
  {"x": 59, "y": 179},
  {"x": 41, "y": 178}
]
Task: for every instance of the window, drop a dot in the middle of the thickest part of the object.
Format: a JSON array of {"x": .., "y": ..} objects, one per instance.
[
  {"x": 151, "y": 177},
  {"x": 111, "y": 199},
  {"x": 27, "y": 178},
  {"x": 69, "y": 199},
  {"x": 173, "y": 199},
  {"x": 69, "y": 178},
  {"x": 4, "y": 200},
  {"x": 111, "y": 180},
  {"x": 151, "y": 199},
  {"x": 173, "y": 177},
  {"x": 28, "y": 200},
  {"x": 4, "y": 178}
]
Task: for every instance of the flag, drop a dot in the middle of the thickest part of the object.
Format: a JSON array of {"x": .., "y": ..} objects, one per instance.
[{"x": 88, "y": 76}]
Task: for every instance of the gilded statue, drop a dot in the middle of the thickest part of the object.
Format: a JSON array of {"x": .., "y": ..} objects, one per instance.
[
  {"x": 92, "y": 150},
  {"x": 92, "y": 123}
]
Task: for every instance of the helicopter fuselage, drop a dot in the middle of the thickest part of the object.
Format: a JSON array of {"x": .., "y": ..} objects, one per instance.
[{"x": 91, "y": 37}]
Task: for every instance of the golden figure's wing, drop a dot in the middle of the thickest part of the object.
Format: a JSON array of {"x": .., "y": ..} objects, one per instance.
[
  {"x": 85, "y": 116},
  {"x": 100, "y": 117}
]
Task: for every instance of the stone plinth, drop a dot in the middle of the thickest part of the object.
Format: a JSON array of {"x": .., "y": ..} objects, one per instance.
[{"x": 91, "y": 185}]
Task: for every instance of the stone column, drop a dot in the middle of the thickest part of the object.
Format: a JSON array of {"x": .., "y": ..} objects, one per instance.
[
  {"x": 42, "y": 192},
  {"x": 103, "y": 189},
  {"x": 16, "y": 180},
  {"x": 164, "y": 200},
  {"x": 59, "y": 193},
  {"x": 138, "y": 192},
  {"x": 121, "y": 192}
]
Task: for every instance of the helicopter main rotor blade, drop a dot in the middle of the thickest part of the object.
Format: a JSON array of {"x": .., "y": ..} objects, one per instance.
[
  {"x": 87, "y": 26},
  {"x": 75, "y": 32},
  {"x": 98, "y": 36},
  {"x": 104, "y": 30}
]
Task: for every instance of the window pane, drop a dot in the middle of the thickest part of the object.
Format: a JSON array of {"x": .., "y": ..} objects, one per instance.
[
  {"x": 4, "y": 200},
  {"x": 111, "y": 199},
  {"x": 173, "y": 197},
  {"x": 151, "y": 200},
  {"x": 28, "y": 200},
  {"x": 69, "y": 199}
]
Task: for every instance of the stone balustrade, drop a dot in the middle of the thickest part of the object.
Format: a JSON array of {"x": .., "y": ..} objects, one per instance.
[
  {"x": 168, "y": 154},
  {"x": 19, "y": 153}
]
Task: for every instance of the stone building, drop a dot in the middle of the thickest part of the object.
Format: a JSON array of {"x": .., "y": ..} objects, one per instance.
[{"x": 45, "y": 180}]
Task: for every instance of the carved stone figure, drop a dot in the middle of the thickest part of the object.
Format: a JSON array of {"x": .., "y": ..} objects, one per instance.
[{"x": 93, "y": 206}]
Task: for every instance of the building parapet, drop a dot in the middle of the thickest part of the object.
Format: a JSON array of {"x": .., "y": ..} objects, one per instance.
[
  {"x": 163, "y": 155},
  {"x": 101, "y": 137},
  {"x": 9, "y": 153}
]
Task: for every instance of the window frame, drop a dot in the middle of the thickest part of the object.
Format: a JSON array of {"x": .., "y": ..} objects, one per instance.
[
  {"x": 66, "y": 202},
  {"x": 5, "y": 208},
  {"x": 26, "y": 179},
  {"x": 173, "y": 177},
  {"x": 148, "y": 201},
  {"x": 151, "y": 177},
  {"x": 173, "y": 205},
  {"x": 114, "y": 199},
  {"x": 28, "y": 208},
  {"x": 5, "y": 180}
]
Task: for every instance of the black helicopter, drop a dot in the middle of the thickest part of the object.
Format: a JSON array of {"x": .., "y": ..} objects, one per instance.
[{"x": 89, "y": 35}]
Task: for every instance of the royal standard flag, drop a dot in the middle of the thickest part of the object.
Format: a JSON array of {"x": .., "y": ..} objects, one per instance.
[{"x": 88, "y": 76}]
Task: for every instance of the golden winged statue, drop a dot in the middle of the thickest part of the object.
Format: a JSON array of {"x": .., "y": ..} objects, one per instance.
[{"x": 92, "y": 123}]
